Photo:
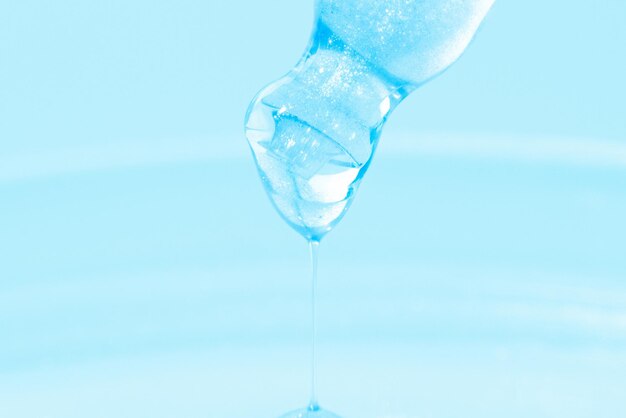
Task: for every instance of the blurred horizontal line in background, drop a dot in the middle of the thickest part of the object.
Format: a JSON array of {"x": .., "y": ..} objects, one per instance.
[{"x": 568, "y": 151}]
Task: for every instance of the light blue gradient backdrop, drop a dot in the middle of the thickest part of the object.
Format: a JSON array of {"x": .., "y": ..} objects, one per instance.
[{"x": 143, "y": 273}]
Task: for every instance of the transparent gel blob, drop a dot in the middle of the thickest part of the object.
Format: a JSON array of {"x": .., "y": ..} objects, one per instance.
[{"x": 313, "y": 132}]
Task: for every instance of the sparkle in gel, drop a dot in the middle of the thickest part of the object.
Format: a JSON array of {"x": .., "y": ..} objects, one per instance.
[{"x": 313, "y": 133}]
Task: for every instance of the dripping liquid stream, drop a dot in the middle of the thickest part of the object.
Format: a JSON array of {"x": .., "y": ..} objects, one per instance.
[{"x": 314, "y": 253}]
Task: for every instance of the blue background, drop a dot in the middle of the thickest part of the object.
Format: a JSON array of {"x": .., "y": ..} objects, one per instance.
[{"x": 143, "y": 273}]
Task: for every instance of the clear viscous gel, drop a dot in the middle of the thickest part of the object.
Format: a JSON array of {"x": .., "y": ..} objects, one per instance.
[{"x": 313, "y": 132}]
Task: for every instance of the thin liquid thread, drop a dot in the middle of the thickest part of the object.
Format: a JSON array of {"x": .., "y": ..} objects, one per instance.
[{"x": 313, "y": 249}]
